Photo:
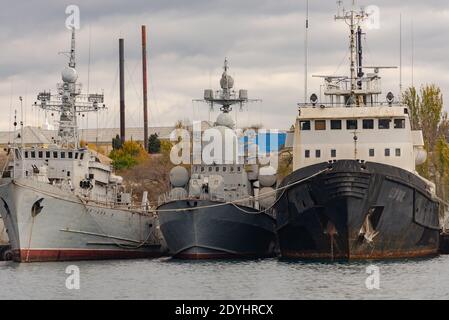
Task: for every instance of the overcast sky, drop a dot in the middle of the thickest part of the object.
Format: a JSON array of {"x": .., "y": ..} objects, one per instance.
[{"x": 188, "y": 41}]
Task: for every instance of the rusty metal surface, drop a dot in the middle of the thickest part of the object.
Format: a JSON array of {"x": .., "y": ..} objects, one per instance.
[
  {"x": 45, "y": 255},
  {"x": 364, "y": 256},
  {"x": 357, "y": 211}
]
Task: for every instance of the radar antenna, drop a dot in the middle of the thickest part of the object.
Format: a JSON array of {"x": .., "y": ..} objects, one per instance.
[
  {"x": 353, "y": 19},
  {"x": 69, "y": 101},
  {"x": 226, "y": 97}
]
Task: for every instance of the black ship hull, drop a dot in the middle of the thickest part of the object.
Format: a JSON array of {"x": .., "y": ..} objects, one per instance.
[
  {"x": 351, "y": 210},
  {"x": 217, "y": 232}
]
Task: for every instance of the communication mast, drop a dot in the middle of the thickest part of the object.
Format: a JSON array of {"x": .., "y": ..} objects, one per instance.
[{"x": 69, "y": 101}]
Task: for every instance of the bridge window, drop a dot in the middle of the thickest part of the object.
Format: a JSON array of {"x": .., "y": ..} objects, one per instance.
[
  {"x": 333, "y": 153},
  {"x": 368, "y": 124},
  {"x": 351, "y": 124},
  {"x": 40, "y": 154},
  {"x": 55, "y": 155},
  {"x": 47, "y": 154},
  {"x": 202, "y": 169},
  {"x": 70, "y": 155},
  {"x": 63, "y": 155},
  {"x": 224, "y": 169},
  {"x": 399, "y": 123},
  {"x": 387, "y": 152},
  {"x": 76, "y": 156},
  {"x": 371, "y": 153},
  {"x": 318, "y": 153},
  {"x": 307, "y": 154},
  {"x": 304, "y": 125},
  {"x": 26, "y": 154},
  {"x": 336, "y": 124},
  {"x": 320, "y": 125},
  {"x": 217, "y": 169},
  {"x": 384, "y": 123},
  {"x": 210, "y": 169},
  {"x": 398, "y": 152},
  {"x": 33, "y": 154},
  {"x": 81, "y": 156}
]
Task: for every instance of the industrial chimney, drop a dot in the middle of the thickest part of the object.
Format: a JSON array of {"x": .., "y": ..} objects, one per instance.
[
  {"x": 145, "y": 91},
  {"x": 122, "y": 90}
]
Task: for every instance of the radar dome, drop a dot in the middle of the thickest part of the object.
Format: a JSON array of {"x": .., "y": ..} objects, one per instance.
[
  {"x": 225, "y": 120},
  {"x": 179, "y": 176},
  {"x": 267, "y": 176},
  {"x": 267, "y": 197},
  {"x": 226, "y": 82},
  {"x": 178, "y": 193},
  {"x": 69, "y": 75}
]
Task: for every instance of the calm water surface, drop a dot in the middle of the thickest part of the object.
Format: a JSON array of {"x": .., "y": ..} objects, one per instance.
[{"x": 264, "y": 279}]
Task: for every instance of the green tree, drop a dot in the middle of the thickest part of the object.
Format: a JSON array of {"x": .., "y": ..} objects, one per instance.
[
  {"x": 154, "y": 144},
  {"x": 130, "y": 154},
  {"x": 427, "y": 114}
]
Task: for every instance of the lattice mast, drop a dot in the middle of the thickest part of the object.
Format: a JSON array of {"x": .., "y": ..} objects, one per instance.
[
  {"x": 353, "y": 19},
  {"x": 227, "y": 96},
  {"x": 69, "y": 101}
]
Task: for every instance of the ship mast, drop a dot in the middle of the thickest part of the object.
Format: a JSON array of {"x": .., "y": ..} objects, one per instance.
[
  {"x": 69, "y": 101},
  {"x": 353, "y": 19},
  {"x": 226, "y": 97}
]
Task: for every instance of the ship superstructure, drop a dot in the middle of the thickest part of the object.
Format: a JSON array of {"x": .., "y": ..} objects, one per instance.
[
  {"x": 211, "y": 212},
  {"x": 59, "y": 202},
  {"x": 355, "y": 192}
]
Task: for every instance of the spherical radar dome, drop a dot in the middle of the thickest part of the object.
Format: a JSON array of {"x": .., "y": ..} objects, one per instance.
[
  {"x": 69, "y": 75},
  {"x": 226, "y": 82},
  {"x": 267, "y": 176},
  {"x": 267, "y": 197},
  {"x": 179, "y": 176},
  {"x": 225, "y": 120}
]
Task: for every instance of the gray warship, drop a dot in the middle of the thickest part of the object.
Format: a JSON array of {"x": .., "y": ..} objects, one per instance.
[
  {"x": 4, "y": 241},
  {"x": 355, "y": 192},
  {"x": 59, "y": 202},
  {"x": 213, "y": 214}
]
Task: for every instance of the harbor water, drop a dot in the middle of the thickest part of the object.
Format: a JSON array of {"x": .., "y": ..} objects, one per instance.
[{"x": 167, "y": 278}]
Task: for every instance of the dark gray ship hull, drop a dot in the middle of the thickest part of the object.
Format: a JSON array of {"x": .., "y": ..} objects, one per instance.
[
  {"x": 216, "y": 232},
  {"x": 356, "y": 210}
]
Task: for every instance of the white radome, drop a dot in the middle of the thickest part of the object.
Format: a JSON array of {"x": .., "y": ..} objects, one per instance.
[
  {"x": 226, "y": 82},
  {"x": 179, "y": 176},
  {"x": 69, "y": 75},
  {"x": 267, "y": 197},
  {"x": 178, "y": 193},
  {"x": 225, "y": 120},
  {"x": 267, "y": 176}
]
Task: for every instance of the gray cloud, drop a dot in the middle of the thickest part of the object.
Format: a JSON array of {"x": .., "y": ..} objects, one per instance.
[{"x": 188, "y": 42}]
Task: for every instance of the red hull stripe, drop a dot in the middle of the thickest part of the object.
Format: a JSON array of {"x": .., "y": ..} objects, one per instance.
[{"x": 43, "y": 255}]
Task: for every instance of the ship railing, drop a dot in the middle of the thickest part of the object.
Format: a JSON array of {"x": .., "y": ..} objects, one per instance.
[
  {"x": 169, "y": 197},
  {"x": 349, "y": 105}
]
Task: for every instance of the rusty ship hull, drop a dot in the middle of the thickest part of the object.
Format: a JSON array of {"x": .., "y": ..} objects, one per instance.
[{"x": 355, "y": 210}]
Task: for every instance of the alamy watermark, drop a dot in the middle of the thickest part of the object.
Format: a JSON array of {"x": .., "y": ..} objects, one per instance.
[
  {"x": 73, "y": 281},
  {"x": 222, "y": 145},
  {"x": 372, "y": 282},
  {"x": 373, "y": 21},
  {"x": 73, "y": 19}
]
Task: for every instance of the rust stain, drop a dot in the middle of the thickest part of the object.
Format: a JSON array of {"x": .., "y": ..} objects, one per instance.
[{"x": 422, "y": 253}]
